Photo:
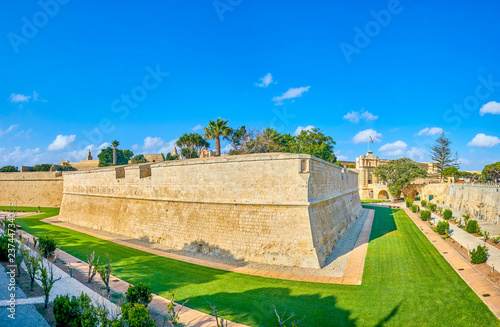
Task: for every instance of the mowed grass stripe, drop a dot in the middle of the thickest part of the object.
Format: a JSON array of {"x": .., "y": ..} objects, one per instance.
[{"x": 406, "y": 282}]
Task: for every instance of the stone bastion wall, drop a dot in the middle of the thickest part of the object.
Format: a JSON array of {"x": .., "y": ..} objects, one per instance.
[
  {"x": 31, "y": 189},
  {"x": 478, "y": 200},
  {"x": 287, "y": 209}
]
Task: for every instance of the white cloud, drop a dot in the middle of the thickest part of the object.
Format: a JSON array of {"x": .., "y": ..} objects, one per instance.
[
  {"x": 364, "y": 136},
  {"x": 226, "y": 149},
  {"x": 168, "y": 147},
  {"x": 415, "y": 153},
  {"x": 8, "y": 130},
  {"x": 430, "y": 131},
  {"x": 356, "y": 116},
  {"x": 292, "y": 93},
  {"x": 197, "y": 127},
  {"x": 135, "y": 147},
  {"x": 483, "y": 140},
  {"x": 300, "y": 129},
  {"x": 61, "y": 142},
  {"x": 152, "y": 142},
  {"x": 265, "y": 81},
  {"x": 395, "y": 149},
  {"x": 19, "y": 98},
  {"x": 491, "y": 107},
  {"x": 342, "y": 157}
]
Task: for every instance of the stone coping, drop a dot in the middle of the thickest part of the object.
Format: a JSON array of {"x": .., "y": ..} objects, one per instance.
[
  {"x": 353, "y": 273},
  {"x": 213, "y": 160},
  {"x": 476, "y": 281}
]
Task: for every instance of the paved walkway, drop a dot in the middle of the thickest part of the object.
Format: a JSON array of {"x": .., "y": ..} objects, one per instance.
[
  {"x": 352, "y": 274},
  {"x": 25, "y": 313},
  {"x": 477, "y": 282},
  {"x": 470, "y": 242}
]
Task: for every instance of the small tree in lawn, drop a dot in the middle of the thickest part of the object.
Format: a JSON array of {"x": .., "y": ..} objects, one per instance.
[
  {"x": 19, "y": 259},
  {"x": 47, "y": 278},
  {"x": 104, "y": 271},
  {"x": 93, "y": 266},
  {"x": 32, "y": 265},
  {"x": 398, "y": 174}
]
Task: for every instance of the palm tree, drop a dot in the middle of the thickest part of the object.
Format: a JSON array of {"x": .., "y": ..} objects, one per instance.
[
  {"x": 115, "y": 143},
  {"x": 215, "y": 130}
]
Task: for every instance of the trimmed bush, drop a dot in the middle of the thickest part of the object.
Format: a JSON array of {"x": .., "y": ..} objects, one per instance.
[
  {"x": 424, "y": 203},
  {"x": 442, "y": 227},
  {"x": 135, "y": 315},
  {"x": 415, "y": 208},
  {"x": 447, "y": 214},
  {"x": 47, "y": 246},
  {"x": 472, "y": 227},
  {"x": 140, "y": 293},
  {"x": 409, "y": 202},
  {"x": 425, "y": 215},
  {"x": 479, "y": 254},
  {"x": 432, "y": 207},
  {"x": 66, "y": 311}
]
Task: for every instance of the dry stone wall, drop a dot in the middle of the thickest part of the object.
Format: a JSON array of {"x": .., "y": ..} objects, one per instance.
[
  {"x": 31, "y": 189},
  {"x": 286, "y": 209}
]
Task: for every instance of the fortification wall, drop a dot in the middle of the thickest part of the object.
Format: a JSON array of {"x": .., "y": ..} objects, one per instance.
[
  {"x": 478, "y": 200},
  {"x": 286, "y": 209},
  {"x": 31, "y": 189}
]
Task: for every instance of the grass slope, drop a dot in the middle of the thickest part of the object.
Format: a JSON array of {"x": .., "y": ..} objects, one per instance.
[{"x": 406, "y": 282}]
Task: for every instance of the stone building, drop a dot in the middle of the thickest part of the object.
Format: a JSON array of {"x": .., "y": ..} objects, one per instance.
[
  {"x": 88, "y": 163},
  {"x": 370, "y": 187}
]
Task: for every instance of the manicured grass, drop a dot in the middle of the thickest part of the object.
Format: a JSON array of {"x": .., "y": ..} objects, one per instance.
[
  {"x": 406, "y": 282},
  {"x": 374, "y": 201}
]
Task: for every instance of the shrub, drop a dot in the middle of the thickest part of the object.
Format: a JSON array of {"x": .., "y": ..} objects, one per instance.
[
  {"x": 472, "y": 227},
  {"x": 424, "y": 203},
  {"x": 442, "y": 227},
  {"x": 440, "y": 210},
  {"x": 4, "y": 247},
  {"x": 415, "y": 208},
  {"x": 135, "y": 315},
  {"x": 479, "y": 254},
  {"x": 140, "y": 293},
  {"x": 496, "y": 240},
  {"x": 466, "y": 217},
  {"x": 425, "y": 215},
  {"x": 409, "y": 202},
  {"x": 432, "y": 207},
  {"x": 447, "y": 214},
  {"x": 47, "y": 246},
  {"x": 66, "y": 311}
]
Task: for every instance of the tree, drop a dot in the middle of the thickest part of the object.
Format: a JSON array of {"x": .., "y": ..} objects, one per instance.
[
  {"x": 315, "y": 143},
  {"x": 456, "y": 161},
  {"x": 215, "y": 130},
  {"x": 451, "y": 172},
  {"x": 170, "y": 156},
  {"x": 237, "y": 139},
  {"x": 32, "y": 265},
  {"x": 398, "y": 174},
  {"x": 138, "y": 159},
  {"x": 9, "y": 169},
  {"x": 93, "y": 266},
  {"x": 104, "y": 271},
  {"x": 47, "y": 278},
  {"x": 441, "y": 154},
  {"x": 42, "y": 167},
  {"x": 492, "y": 171},
  {"x": 106, "y": 157},
  {"x": 115, "y": 144},
  {"x": 139, "y": 293}
]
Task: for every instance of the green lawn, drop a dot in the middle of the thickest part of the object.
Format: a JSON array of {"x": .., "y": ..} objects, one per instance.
[
  {"x": 374, "y": 201},
  {"x": 406, "y": 282}
]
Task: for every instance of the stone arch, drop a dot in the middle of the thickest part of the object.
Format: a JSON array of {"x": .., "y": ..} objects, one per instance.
[
  {"x": 412, "y": 193},
  {"x": 383, "y": 195}
]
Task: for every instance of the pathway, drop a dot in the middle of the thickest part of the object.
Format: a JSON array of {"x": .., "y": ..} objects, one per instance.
[{"x": 477, "y": 282}]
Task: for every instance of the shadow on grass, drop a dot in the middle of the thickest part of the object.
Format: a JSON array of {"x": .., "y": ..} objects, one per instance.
[
  {"x": 251, "y": 308},
  {"x": 383, "y": 221},
  {"x": 389, "y": 316}
]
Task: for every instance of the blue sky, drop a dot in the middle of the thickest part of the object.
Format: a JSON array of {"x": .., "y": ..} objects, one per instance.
[{"x": 77, "y": 75}]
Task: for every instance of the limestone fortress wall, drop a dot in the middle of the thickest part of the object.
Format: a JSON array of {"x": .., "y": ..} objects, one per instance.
[
  {"x": 479, "y": 200},
  {"x": 31, "y": 189},
  {"x": 287, "y": 209}
]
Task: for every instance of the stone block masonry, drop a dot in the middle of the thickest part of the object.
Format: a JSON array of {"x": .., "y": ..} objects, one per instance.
[
  {"x": 287, "y": 209},
  {"x": 31, "y": 189}
]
